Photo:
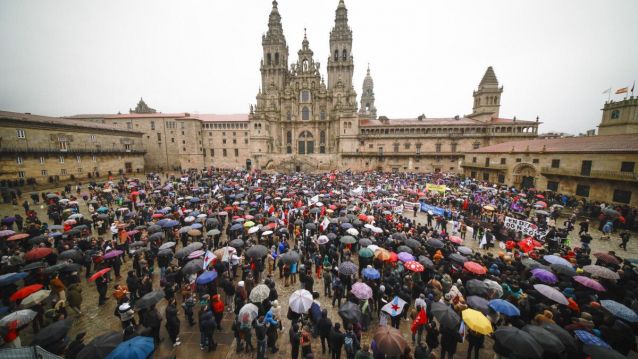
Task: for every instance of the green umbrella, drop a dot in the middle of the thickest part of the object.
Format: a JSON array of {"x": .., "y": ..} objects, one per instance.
[{"x": 366, "y": 253}]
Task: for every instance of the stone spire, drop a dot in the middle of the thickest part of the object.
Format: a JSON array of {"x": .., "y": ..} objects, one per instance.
[
  {"x": 274, "y": 63},
  {"x": 487, "y": 98},
  {"x": 275, "y": 30},
  {"x": 367, "y": 97},
  {"x": 340, "y": 62}
]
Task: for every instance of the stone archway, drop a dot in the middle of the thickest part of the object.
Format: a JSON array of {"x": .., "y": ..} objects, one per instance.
[{"x": 524, "y": 175}]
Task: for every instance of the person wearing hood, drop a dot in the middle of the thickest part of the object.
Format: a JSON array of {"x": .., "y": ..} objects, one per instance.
[
  {"x": 324, "y": 331},
  {"x": 206, "y": 329},
  {"x": 172, "y": 322},
  {"x": 272, "y": 325},
  {"x": 75, "y": 297},
  {"x": 260, "y": 334}
]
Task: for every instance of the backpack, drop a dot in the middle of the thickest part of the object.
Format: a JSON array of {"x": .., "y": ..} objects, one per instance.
[{"x": 348, "y": 343}]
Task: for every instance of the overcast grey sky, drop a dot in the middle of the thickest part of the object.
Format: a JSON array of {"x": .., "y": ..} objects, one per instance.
[{"x": 554, "y": 58}]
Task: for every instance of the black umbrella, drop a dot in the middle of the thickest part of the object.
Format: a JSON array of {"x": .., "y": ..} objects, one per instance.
[
  {"x": 236, "y": 243},
  {"x": 405, "y": 249},
  {"x": 348, "y": 268},
  {"x": 33, "y": 265},
  {"x": 257, "y": 251},
  {"x": 412, "y": 243},
  {"x": 435, "y": 243},
  {"x": 546, "y": 339},
  {"x": 193, "y": 266},
  {"x": 38, "y": 239},
  {"x": 100, "y": 346},
  {"x": 331, "y": 236},
  {"x": 290, "y": 257},
  {"x": 457, "y": 258},
  {"x": 565, "y": 337},
  {"x": 365, "y": 242},
  {"x": 446, "y": 316},
  {"x": 311, "y": 226},
  {"x": 73, "y": 254},
  {"x": 183, "y": 252},
  {"x": 150, "y": 299},
  {"x": 71, "y": 267},
  {"x": 350, "y": 312},
  {"x": 427, "y": 262},
  {"x": 52, "y": 333},
  {"x": 156, "y": 236},
  {"x": 518, "y": 342},
  {"x": 476, "y": 287},
  {"x": 563, "y": 270},
  {"x": 154, "y": 228},
  {"x": 598, "y": 352},
  {"x": 54, "y": 268},
  {"x": 478, "y": 303}
]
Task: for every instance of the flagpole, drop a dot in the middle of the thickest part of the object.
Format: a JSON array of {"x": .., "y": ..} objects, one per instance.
[{"x": 609, "y": 94}]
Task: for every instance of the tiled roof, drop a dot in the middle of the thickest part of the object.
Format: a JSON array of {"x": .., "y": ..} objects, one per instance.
[
  {"x": 583, "y": 144},
  {"x": 438, "y": 121},
  {"x": 184, "y": 116},
  {"x": 148, "y": 115},
  {"x": 56, "y": 121},
  {"x": 239, "y": 117}
]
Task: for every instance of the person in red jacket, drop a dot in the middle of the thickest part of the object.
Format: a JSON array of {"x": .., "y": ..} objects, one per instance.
[{"x": 218, "y": 309}]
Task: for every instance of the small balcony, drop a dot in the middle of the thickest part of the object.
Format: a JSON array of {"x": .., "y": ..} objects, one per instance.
[
  {"x": 484, "y": 166},
  {"x": 594, "y": 174}
]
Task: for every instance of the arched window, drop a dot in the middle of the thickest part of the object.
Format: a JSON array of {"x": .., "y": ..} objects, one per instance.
[
  {"x": 615, "y": 114},
  {"x": 305, "y": 96},
  {"x": 336, "y": 55},
  {"x": 305, "y": 114},
  {"x": 344, "y": 54},
  {"x": 322, "y": 142},
  {"x": 288, "y": 116},
  {"x": 306, "y": 143},
  {"x": 276, "y": 58},
  {"x": 268, "y": 59},
  {"x": 289, "y": 142},
  {"x": 322, "y": 115}
]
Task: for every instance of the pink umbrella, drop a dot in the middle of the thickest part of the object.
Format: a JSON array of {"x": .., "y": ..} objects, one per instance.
[
  {"x": 196, "y": 254},
  {"x": 589, "y": 283},
  {"x": 361, "y": 291},
  {"x": 455, "y": 239},
  {"x": 112, "y": 254}
]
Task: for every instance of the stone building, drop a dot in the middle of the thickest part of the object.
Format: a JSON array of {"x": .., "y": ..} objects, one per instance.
[
  {"x": 48, "y": 149},
  {"x": 619, "y": 117},
  {"x": 598, "y": 168},
  {"x": 301, "y": 123}
]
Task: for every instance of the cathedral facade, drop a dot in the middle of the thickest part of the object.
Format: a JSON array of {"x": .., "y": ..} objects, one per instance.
[{"x": 302, "y": 123}]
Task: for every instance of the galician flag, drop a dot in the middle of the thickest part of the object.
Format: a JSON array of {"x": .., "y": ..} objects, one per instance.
[
  {"x": 208, "y": 258},
  {"x": 395, "y": 307},
  {"x": 313, "y": 200}
]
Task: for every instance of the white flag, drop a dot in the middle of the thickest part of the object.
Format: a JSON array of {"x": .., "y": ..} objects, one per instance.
[{"x": 208, "y": 258}]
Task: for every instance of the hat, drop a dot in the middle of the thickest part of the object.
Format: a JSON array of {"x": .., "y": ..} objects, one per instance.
[
  {"x": 240, "y": 284},
  {"x": 124, "y": 307},
  {"x": 382, "y": 288}
]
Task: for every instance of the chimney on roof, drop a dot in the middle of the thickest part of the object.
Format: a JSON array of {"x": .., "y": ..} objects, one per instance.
[
  {"x": 27, "y": 113},
  {"x": 514, "y": 119},
  {"x": 457, "y": 117},
  {"x": 421, "y": 117},
  {"x": 187, "y": 114}
]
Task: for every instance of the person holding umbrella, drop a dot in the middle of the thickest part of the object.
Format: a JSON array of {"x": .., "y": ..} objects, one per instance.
[
  {"x": 172, "y": 322},
  {"x": 153, "y": 321}
]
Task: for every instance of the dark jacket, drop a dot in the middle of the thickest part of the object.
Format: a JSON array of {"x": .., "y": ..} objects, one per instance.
[
  {"x": 172, "y": 320},
  {"x": 207, "y": 323},
  {"x": 324, "y": 324},
  {"x": 336, "y": 339}
]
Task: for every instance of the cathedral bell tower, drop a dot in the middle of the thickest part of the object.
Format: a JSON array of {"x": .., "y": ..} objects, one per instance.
[
  {"x": 367, "y": 98},
  {"x": 274, "y": 63},
  {"x": 487, "y": 99},
  {"x": 340, "y": 62}
]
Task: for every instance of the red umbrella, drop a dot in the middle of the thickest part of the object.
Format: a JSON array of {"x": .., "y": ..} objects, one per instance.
[
  {"x": 393, "y": 257},
  {"x": 18, "y": 236},
  {"x": 157, "y": 215},
  {"x": 455, "y": 239},
  {"x": 363, "y": 217},
  {"x": 540, "y": 196},
  {"x": 541, "y": 204},
  {"x": 37, "y": 253},
  {"x": 474, "y": 267},
  {"x": 528, "y": 244},
  {"x": 605, "y": 257},
  {"x": 99, "y": 274},
  {"x": 25, "y": 292},
  {"x": 414, "y": 266}
]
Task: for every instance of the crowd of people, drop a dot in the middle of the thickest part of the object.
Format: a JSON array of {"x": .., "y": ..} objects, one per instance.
[{"x": 485, "y": 261}]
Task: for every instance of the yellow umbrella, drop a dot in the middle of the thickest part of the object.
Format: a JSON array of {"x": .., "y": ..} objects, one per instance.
[
  {"x": 488, "y": 207},
  {"x": 477, "y": 321},
  {"x": 382, "y": 254},
  {"x": 249, "y": 224}
]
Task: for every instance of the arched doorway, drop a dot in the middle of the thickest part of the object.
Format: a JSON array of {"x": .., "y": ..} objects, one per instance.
[
  {"x": 524, "y": 175},
  {"x": 249, "y": 164}
]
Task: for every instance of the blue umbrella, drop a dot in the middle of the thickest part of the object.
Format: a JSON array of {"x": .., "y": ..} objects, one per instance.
[
  {"x": 169, "y": 224},
  {"x": 552, "y": 259},
  {"x": 371, "y": 273},
  {"x": 207, "y": 277},
  {"x": 11, "y": 278},
  {"x": 102, "y": 209},
  {"x": 195, "y": 200},
  {"x": 504, "y": 307},
  {"x": 590, "y": 339},
  {"x": 196, "y": 226},
  {"x": 236, "y": 227},
  {"x": 619, "y": 310},
  {"x": 136, "y": 348},
  {"x": 55, "y": 234},
  {"x": 346, "y": 225},
  {"x": 162, "y": 222}
]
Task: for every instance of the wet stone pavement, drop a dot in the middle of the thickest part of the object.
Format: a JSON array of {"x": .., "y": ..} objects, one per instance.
[{"x": 96, "y": 320}]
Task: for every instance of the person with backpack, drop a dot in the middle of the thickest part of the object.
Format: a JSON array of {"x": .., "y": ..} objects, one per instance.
[{"x": 350, "y": 343}]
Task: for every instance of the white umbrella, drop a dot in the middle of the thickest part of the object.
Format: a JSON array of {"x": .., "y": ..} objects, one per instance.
[
  {"x": 353, "y": 231},
  {"x": 373, "y": 247},
  {"x": 323, "y": 239},
  {"x": 189, "y": 219},
  {"x": 202, "y": 215},
  {"x": 167, "y": 245},
  {"x": 35, "y": 298},
  {"x": 248, "y": 313},
  {"x": 266, "y": 233},
  {"x": 21, "y": 316},
  {"x": 369, "y": 226},
  {"x": 259, "y": 293},
  {"x": 254, "y": 229},
  {"x": 300, "y": 301},
  {"x": 377, "y": 230}
]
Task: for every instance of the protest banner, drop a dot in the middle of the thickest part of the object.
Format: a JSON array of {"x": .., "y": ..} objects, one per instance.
[
  {"x": 435, "y": 187},
  {"x": 435, "y": 210},
  {"x": 527, "y": 228}
]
